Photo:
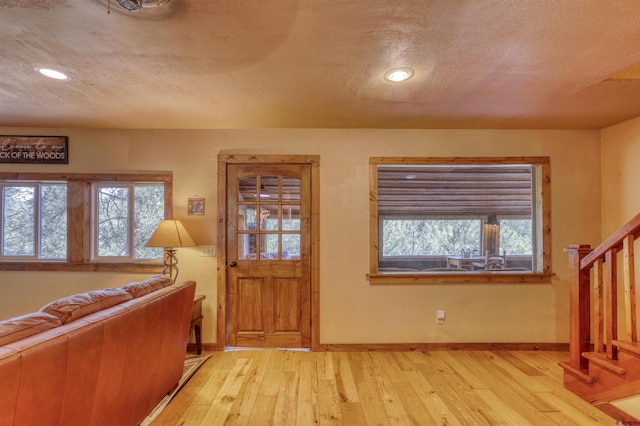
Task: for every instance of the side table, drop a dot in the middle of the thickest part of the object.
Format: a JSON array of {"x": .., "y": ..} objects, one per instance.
[{"x": 196, "y": 321}]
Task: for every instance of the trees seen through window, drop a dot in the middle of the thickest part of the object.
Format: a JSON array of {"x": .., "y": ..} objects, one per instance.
[
  {"x": 78, "y": 221},
  {"x": 425, "y": 212}
]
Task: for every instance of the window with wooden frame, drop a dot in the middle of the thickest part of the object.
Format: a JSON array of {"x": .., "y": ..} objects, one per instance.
[
  {"x": 82, "y": 222},
  {"x": 435, "y": 220},
  {"x": 33, "y": 220}
]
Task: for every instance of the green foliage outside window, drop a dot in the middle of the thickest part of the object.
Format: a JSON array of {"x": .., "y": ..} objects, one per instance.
[
  {"x": 438, "y": 237},
  {"x": 516, "y": 236},
  {"x": 19, "y": 221},
  {"x": 53, "y": 235},
  {"x": 51, "y": 222},
  {"x": 34, "y": 220},
  {"x": 148, "y": 213},
  {"x": 122, "y": 231},
  {"x": 29, "y": 211},
  {"x": 113, "y": 218},
  {"x": 430, "y": 237}
]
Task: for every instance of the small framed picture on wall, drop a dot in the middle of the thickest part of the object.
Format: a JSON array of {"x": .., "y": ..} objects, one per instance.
[{"x": 195, "y": 206}]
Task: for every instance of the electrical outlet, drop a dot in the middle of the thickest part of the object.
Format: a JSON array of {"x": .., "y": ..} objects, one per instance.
[
  {"x": 440, "y": 317},
  {"x": 208, "y": 251}
]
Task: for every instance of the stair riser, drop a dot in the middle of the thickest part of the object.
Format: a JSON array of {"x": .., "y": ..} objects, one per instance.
[{"x": 608, "y": 385}]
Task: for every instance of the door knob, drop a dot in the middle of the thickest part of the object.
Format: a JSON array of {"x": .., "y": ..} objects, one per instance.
[{"x": 233, "y": 263}]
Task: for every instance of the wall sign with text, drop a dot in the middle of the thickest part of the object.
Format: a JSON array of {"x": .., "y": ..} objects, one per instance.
[{"x": 34, "y": 149}]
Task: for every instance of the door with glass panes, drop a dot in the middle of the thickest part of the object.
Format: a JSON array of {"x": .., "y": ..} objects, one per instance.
[{"x": 268, "y": 255}]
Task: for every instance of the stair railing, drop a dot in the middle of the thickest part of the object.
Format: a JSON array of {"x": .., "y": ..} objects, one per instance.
[{"x": 593, "y": 273}]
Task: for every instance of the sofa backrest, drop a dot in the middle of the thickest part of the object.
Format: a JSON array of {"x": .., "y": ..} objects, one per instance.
[
  {"x": 24, "y": 326},
  {"x": 108, "y": 367}
]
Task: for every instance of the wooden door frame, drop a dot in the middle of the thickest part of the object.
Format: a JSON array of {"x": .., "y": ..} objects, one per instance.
[{"x": 223, "y": 161}]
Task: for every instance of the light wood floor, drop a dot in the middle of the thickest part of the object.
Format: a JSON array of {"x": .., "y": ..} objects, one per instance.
[{"x": 275, "y": 387}]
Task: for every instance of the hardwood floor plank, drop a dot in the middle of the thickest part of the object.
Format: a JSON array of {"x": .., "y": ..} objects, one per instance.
[
  {"x": 434, "y": 362},
  {"x": 458, "y": 396},
  {"x": 432, "y": 401},
  {"x": 417, "y": 412},
  {"x": 328, "y": 403},
  {"x": 353, "y": 414},
  {"x": 525, "y": 405},
  {"x": 226, "y": 397},
  {"x": 292, "y": 360},
  {"x": 403, "y": 361},
  {"x": 325, "y": 366},
  {"x": 512, "y": 411},
  {"x": 263, "y": 412},
  {"x": 277, "y": 387},
  {"x": 240, "y": 413},
  {"x": 344, "y": 380},
  {"x": 545, "y": 362},
  {"x": 561, "y": 419},
  {"x": 270, "y": 385},
  {"x": 262, "y": 359},
  {"x": 286, "y": 402},
  {"x": 372, "y": 406},
  {"x": 396, "y": 412},
  {"x": 521, "y": 365},
  {"x": 511, "y": 384},
  {"x": 197, "y": 397},
  {"x": 390, "y": 365},
  {"x": 362, "y": 369},
  {"x": 307, "y": 412},
  {"x": 576, "y": 411},
  {"x": 466, "y": 370},
  {"x": 371, "y": 359},
  {"x": 512, "y": 372}
]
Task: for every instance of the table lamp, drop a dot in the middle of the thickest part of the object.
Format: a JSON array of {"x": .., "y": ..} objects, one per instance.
[{"x": 170, "y": 234}]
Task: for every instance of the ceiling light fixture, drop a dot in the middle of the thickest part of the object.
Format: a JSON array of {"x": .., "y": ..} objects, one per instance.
[
  {"x": 136, "y": 5},
  {"x": 399, "y": 74},
  {"x": 130, "y": 5},
  {"x": 52, "y": 73}
]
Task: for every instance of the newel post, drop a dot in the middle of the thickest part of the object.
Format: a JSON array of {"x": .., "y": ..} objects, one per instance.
[{"x": 579, "y": 306}]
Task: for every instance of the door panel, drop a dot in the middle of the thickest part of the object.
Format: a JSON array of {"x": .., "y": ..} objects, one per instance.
[
  {"x": 249, "y": 304},
  {"x": 287, "y": 306},
  {"x": 268, "y": 255}
]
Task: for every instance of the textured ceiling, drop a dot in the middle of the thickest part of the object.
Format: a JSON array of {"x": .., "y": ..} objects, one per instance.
[{"x": 319, "y": 63}]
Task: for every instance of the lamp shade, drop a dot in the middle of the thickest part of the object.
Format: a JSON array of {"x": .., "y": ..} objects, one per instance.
[{"x": 170, "y": 233}]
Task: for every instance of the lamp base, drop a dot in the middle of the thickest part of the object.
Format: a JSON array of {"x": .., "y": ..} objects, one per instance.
[{"x": 170, "y": 263}]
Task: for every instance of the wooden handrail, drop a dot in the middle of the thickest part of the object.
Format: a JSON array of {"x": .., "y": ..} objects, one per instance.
[
  {"x": 614, "y": 241},
  {"x": 603, "y": 260}
]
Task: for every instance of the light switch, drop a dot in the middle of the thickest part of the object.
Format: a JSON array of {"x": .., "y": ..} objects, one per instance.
[{"x": 208, "y": 251}]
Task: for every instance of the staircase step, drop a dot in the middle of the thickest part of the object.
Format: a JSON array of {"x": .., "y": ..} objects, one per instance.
[
  {"x": 577, "y": 373},
  {"x": 603, "y": 361},
  {"x": 628, "y": 346}
]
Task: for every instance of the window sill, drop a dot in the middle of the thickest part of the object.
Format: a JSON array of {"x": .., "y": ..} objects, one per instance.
[
  {"x": 480, "y": 277},
  {"x": 81, "y": 266}
]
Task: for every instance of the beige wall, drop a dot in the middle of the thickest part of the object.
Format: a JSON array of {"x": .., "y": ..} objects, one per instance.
[
  {"x": 351, "y": 310},
  {"x": 620, "y": 190},
  {"x": 620, "y": 174}
]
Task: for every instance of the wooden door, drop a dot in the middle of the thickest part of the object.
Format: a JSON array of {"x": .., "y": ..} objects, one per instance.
[{"x": 268, "y": 255}]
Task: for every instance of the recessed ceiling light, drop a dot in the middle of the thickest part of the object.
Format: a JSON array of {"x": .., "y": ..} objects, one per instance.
[
  {"x": 399, "y": 74},
  {"x": 52, "y": 73}
]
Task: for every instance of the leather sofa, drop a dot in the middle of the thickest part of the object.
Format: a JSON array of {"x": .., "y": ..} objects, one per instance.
[{"x": 104, "y": 357}]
